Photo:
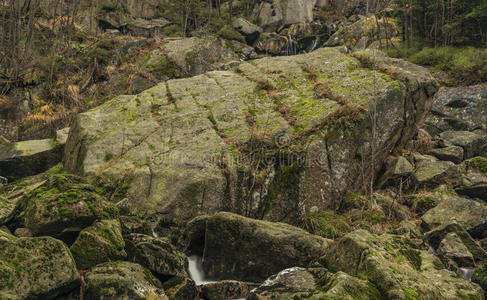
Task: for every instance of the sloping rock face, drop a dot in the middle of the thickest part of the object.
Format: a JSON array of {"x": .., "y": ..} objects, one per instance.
[{"x": 274, "y": 139}]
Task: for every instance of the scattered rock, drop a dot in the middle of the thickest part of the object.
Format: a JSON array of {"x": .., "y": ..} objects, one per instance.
[
  {"x": 35, "y": 268},
  {"x": 469, "y": 141},
  {"x": 274, "y": 44},
  {"x": 396, "y": 268},
  {"x": 454, "y": 154},
  {"x": 458, "y": 108},
  {"x": 99, "y": 243},
  {"x": 261, "y": 249},
  {"x": 469, "y": 214},
  {"x": 146, "y": 28},
  {"x": 22, "y": 232},
  {"x": 435, "y": 173},
  {"x": 122, "y": 280},
  {"x": 436, "y": 236}
]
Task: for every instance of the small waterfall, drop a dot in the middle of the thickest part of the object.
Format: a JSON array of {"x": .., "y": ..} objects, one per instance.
[
  {"x": 313, "y": 45},
  {"x": 195, "y": 268},
  {"x": 291, "y": 48},
  {"x": 154, "y": 233},
  {"x": 467, "y": 273}
]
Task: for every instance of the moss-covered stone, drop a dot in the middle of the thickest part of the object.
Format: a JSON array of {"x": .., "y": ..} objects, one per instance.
[
  {"x": 396, "y": 268},
  {"x": 122, "y": 280},
  {"x": 35, "y": 268},
  {"x": 99, "y": 243},
  {"x": 64, "y": 201}
]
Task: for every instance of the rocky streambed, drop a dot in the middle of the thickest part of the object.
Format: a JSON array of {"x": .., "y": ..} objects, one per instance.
[{"x": 229, "y": 166}]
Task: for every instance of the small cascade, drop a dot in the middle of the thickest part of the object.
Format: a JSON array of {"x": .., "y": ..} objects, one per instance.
[
  {"x": 195, "y": 268},
  {"x": 467, "y": 273},
  {"x": 291, "y": 48},
  {"x": 313, "y": 45},
  {"x": 154, "y": 233}
]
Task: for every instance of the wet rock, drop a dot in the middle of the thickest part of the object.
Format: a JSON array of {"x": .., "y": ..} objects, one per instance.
[
  {"x": 396, "y": 268},
  {"x": 122, "y": 280},
  {"x": 156, "y": 254},
  {"x": 453, "y": 252},
  {"x": 180, "y": 288},
  {"x": 226, "y": 289},
  {"x": 469, "y": 214},
  {"x": 35, "y": 268},
  {"x": 469, "y": 141},
  {"x": 27, "y": 158},
  {"x": 251, "y": 250},
  {"x": 99, "y": 243}
]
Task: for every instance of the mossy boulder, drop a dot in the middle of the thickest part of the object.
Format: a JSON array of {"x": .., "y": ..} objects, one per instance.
[
  {"x": 193, "y": 146},
  {"x": 63, "y": 202},
  {"x": 225, "y": 289},
  {"x": 454, "y": 253},
  {"x": 251, "y": 250},
  {"x": 474, "y": 183},
  {"x": 35, "y": 268},
  {"x": 122, "y": 280},
  {"x": 431, "y": 174},
  {"x": 156, "y": 254},
  {"x": 396, "y": 267},
  {"x": 99, "y": 243},
  {"x": 469, "y": 214}
]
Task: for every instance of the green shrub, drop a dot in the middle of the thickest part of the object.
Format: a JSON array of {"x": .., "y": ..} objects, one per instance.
[{"x": 228, "y": 33}]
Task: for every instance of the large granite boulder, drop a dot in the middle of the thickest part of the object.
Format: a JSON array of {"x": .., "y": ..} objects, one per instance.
[
  {"x": 271, "y": 140},
  {"x": 469, "y": 141},
  {"x": 122, "y": 280},
  {"x": 474, "y": 181},
  {"x": 250, "y": 250},
  {"x": 35, "y": 268},
  {"x": 458, "y": 108},
  {"x": 469, "y": 214},
  {"x": 397, "y": 268}
]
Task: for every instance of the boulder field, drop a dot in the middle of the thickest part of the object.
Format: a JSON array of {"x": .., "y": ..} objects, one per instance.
[{"x": 273, "y": 138}]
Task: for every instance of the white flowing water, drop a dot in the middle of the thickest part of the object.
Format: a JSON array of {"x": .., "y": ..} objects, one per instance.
[
  {"x": 154, "y": 234},
  {"x": 467, "y": 273},
  {"x": 195, "y": 266}
]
